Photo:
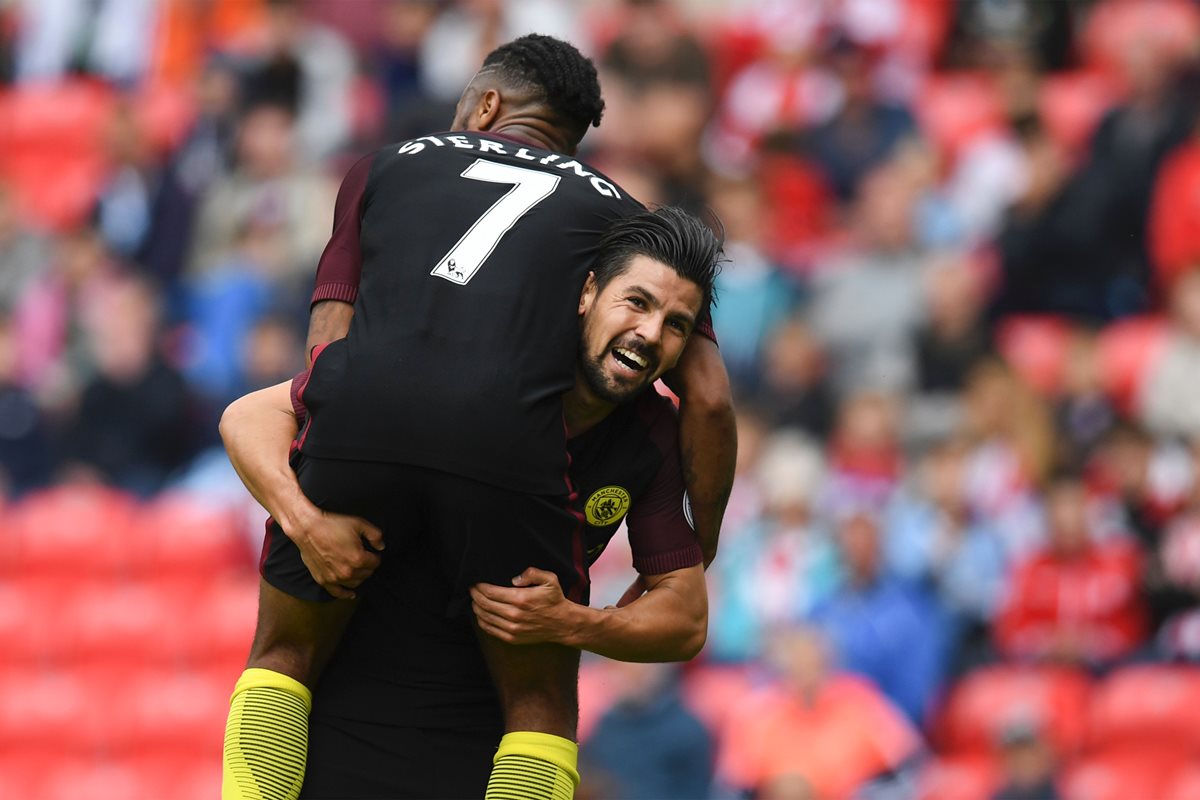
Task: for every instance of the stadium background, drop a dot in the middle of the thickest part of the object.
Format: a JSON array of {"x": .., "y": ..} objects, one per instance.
[{"x": 962, "y": 313}]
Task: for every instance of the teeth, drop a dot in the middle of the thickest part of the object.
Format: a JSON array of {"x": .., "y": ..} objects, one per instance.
[{"x": 634, "y": 357}]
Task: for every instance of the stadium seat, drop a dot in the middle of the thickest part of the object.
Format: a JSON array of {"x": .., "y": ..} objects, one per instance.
[
  {"x": 51, "y": 709},
  {"x": 98, "y": 777},
  {"x": 75, "y": 530},
  {"x": 958, "y": 778},
  {"x": 1129, "y": 350},
  {"x": 955, "y": 108},
  {"x": 1036, "y": 347},
  {"x": 51, "y": 148},
  {"x": 105, "y": 619},
  {"x": 170, "y": 712},
  {"x": 29, "y": 613},
  {"x": 1122, "y": 776},
  {"x": 214, "y": 623},
  {"x": 178, "y": 533},
  {"x": 987, "y": 698},
  {"x": 165, "y": 112},
  {"x": 1150, "y": 707},
  {"x": 1071, "y": 104}
]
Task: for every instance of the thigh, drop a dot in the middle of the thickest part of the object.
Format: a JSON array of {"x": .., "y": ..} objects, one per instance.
[{"x": 296, "y": 637}]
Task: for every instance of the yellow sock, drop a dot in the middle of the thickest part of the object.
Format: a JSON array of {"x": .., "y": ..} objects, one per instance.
[
  {"x": 534, "y": 766},
  {"x": 266, "y": 737}
]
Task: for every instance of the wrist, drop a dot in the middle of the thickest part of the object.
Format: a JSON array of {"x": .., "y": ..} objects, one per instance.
[{"x": 296, "y": 514}]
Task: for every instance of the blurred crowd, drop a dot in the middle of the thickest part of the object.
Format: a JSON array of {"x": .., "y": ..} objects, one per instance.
[{"x": 961, "y": 311}]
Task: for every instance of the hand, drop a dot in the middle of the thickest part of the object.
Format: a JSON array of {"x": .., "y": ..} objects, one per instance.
[
  {"x": 635, "y": 590},
  {"x": 331, "y": 546},
  {"x": 534, "y": 612}
]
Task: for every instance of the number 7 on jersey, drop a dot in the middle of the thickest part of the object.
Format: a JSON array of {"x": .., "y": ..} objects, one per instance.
[{"x": 529, "y": 187}]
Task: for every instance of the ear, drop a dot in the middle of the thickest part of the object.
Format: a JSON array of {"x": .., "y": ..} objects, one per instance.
[
  {"x": 588, "y": 295},
  {"x": 487, "y": 111}
]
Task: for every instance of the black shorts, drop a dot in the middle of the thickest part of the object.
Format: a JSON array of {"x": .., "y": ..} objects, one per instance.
[
  {"x": 357, "y": 761},
  {"x": 480, "y": 533}
]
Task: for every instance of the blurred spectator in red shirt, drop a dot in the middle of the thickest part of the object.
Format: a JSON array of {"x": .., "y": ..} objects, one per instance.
[
  {"x": 1076, "y": 601},
  {"x": 835, "y": 731}
]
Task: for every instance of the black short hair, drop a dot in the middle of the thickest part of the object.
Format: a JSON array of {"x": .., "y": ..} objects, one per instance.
[
  {"x": 565, "y": 78},
  {"x": 667, "y": 234}
]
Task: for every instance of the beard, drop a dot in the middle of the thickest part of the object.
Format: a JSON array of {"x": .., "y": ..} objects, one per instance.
[{"x": 601, "y": 382}]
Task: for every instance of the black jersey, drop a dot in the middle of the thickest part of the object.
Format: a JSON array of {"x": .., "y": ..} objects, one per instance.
[
  {"x": 473, "y": 249},
  {"x": 403, "y": 664}
]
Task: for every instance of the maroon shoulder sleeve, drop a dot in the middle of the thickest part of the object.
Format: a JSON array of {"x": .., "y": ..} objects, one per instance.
[
  {"x": 340, "y": 267},
  {"x": 704, "y": 327},
  {"x": 660, "y": 535}
]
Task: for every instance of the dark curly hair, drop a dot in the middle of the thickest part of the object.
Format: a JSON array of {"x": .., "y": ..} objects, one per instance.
[{"x": 565, "y": 79}]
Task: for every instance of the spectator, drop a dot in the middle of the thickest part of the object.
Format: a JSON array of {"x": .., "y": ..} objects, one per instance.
[
  {"x": 865, "y": 459},
  {"x": 26, "y": 457},
  {"x": 648, "y": 743},
  {"x": 1028, "y": 763},
  {"x": 132, "y": 426},
  {"x": 112, "y": 39},
  {"x": 882, "y": 627},
  {"x": 832, "y": 731},
  {"x": 795, "y": 391},
  {"x": 1084, "y": 413},
  {"x": 654, "y": 45},
  {"x": 1076, "y": 601},
  {"x": 1175, "y": 207},
  {"x": 23, "y": 254},
  {"x": 268, "y": 189},
  {"x": 778, "y": 566},
  {"x": 882, "y": 271},
  {"x": 1170, "y": 400},
  {"x": 935, "y": 538},
  {"x": 755, "y": 295},
  {"x": 864, "y": 132}
]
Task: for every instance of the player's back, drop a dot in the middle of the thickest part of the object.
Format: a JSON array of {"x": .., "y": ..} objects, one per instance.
[{"x": 474, "y": 249}]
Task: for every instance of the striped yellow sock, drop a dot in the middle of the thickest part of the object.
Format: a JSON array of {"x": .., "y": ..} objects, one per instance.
[
  {"x": 534, "y": 766},
  {"x": 266, "y": 737}
]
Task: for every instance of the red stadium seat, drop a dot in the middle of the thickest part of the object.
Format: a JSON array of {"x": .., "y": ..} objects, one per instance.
[
  {"x": 168, "y": 711},
  {"x": 107, "y": 620},
  {"x": 165, "y": 112},
  {"x": 1071, "y": 104},
  {"x": 1122, "y": 776},
  {"x": 1185, "y": 784},
  {"x": 987, "y": 698},
  {"x": 51, "y": 148},
  {"x": 51, "y": 709},
  {"x": 1036, "y": 347},
  {"x": 29, "y": 614},
  {"x": 1129, "y": 350},
  {"x": 1151, "y": 707},
  {"x": 178, "y": 533},
  {"x": 961, "y": 778},
  {"x": 75, "y": 530},
  {"x": 955, "y": 108},
  {"x": 216, "y": 626}
]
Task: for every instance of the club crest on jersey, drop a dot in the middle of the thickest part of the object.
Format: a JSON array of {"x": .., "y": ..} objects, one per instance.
[{"x": 606, "y": 506}]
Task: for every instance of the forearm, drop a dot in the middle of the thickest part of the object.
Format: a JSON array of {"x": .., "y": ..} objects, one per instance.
[
  {"x": 708, "y": 438},
  {"x": 257, "y": 431},
  {"x": 329, "y": 320},
  {"x": 668, "y": 623}
]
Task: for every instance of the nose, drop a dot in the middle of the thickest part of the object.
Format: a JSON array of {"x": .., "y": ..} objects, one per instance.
[{"x": 650, "y": 328}]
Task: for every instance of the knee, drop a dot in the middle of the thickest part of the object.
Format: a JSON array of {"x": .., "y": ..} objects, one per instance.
[{"x": 296, "y": 659}]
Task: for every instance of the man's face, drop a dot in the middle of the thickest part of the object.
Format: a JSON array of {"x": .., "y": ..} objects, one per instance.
[{"x": 635, "y": 328}]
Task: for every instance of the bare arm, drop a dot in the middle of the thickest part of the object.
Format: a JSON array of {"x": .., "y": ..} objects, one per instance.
[
  {"x": 708, "y": 436},
  {"x": 257, "y": 430},
  {"x": 329, "y": 320},
  {"x": 668, "y": 623}
]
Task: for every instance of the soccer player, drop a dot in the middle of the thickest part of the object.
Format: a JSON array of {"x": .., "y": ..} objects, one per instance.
[
  {"x": 465, "y": 247},
  {"x": 406, "y": 708}
]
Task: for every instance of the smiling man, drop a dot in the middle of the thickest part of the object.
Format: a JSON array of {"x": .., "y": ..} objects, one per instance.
[{"x": 407, "y": 678}]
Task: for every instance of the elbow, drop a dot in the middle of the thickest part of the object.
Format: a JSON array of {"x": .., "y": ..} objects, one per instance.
[
  {"x": 694, "y": 638},
  {"x": 228, "y": 422}
]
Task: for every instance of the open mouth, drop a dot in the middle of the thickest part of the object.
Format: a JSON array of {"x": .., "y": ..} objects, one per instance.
[{"x": 629, "y": 359}]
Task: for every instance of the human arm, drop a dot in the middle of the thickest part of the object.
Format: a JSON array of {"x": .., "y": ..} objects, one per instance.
[
  {"x": 667, "y": 623},
  {"x": 708, "y": 436},
  {"x": 329, "y": 320},
  {"x": 257, "y": 430}
]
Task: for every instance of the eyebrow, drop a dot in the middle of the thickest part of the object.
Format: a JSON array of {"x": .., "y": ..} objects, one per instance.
[{"x": 654, "y": 301}]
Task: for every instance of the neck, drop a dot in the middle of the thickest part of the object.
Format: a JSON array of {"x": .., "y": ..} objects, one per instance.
[
  {"x": 582, "y": 409},
  {"x": 534, "y": 130}
]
